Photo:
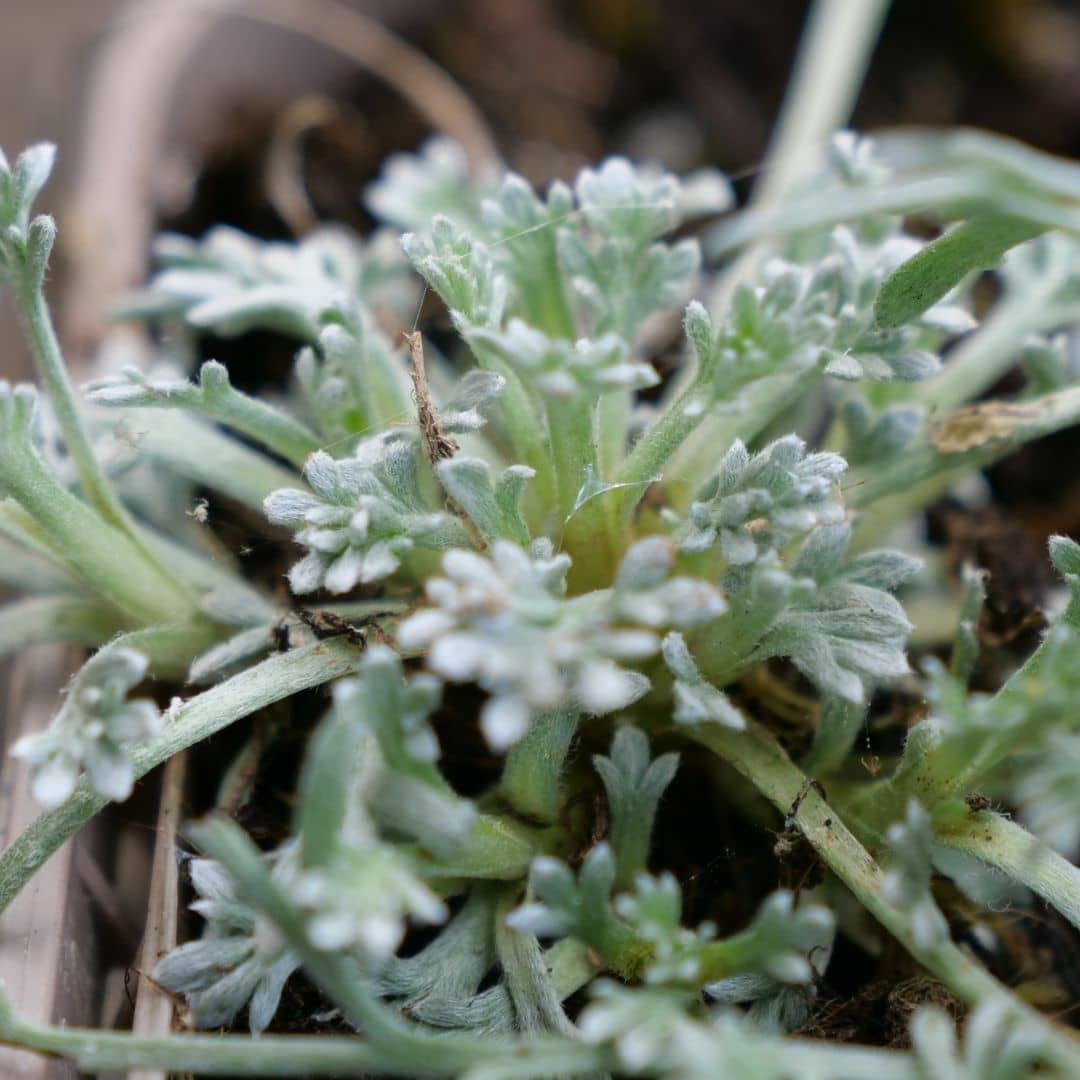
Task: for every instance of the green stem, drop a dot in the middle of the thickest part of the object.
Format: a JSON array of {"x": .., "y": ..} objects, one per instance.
[
  {"x": 757, "y": 757},
  {"x": 216, "y": 398},
  {"x": 1011, "y": 848},
  {"x": 537, "y": 1003},
  {"x": 935, "y": 766},
  {"x": 983, "y": 357},
  {"x": 224, "y": 1055},
  {"x": 206, "y": 456},
  {"x": 906, "y": 482},
  {"x": 400, "y": 1044},
  {"x": 105, "y": 557},
  {"x": 198, "y": 718},
  {"x": 530, "y": 779},
  {"x": 762, "y": 402},
  {"x": 834, "y": 51},
  {"x": 528, "y": 434},
  {"x": 645, "y": 463},
  {"x": 170, "y": 649},
  {"x": 45, "y": 347},
  {"x": 75, "y": 619},
  {"x": 571, "y": 425}
]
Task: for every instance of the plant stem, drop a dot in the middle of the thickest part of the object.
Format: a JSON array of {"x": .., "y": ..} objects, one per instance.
[
  {"x": 537, "y": 1004},
  {"x": 528, "y": 434},
  {"x": 399, "y": 1044},
  {"x": 908, "y": 481},
  {"x": 530, "y": 779},
  {"x": 757, "y": 757},
  {"x": 280, "y": 432},
  {"x": 763, "y": 400},
  {"x": 76, "y": 619},
  {"x": 572, "y": 443},
  {"x": 1011, "y": 848},
  {"x": 276, "y": 678},
  {"x": 207, "y": 456},
  {"x": 983, "y": 357},
  {"x": 45, "y": 348},
  {"x": 651, "y": 453},
  {"x": 105, "y": 557},
  {"x": 833, "y": 54},
  {"x": 170, "y": 649}
]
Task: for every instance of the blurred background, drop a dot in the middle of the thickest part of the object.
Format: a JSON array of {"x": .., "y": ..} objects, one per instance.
[{"x": 560, "y": 83}]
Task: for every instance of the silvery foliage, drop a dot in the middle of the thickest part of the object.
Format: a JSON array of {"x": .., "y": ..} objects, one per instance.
[
  {"x": 566, "y": 905},
  {"x": 836, "y": 618},
  {"x": 875, "y": 436},
  {"x": 1047, "y": 792},
  {"x": 996, "y": 1045},
  {"x": 634, "y": 784},
  {"x": 440, "y": 984},
  {"x": 356, "y": 890},
  {"x": 20, "y": 420},
  {"x": 567, "y": 369},
  {"x": 643, "y": 926},
  {"x": 501, "y": 620},
  {"x": 775, "y": 944},
  {"x": 697, "y": 701},
  {"x": 653, "y": 1034},
  {"x": 759, "y": 502},
  {"x": 588, "y": 259},
  {"x": 619, "y": 273},
  {"x": 907, "y": 881},
  {"x": 240, "y": 958},
  {"x": 800, "y": 315},
  {"x": 362, "y": 897},
  {"x": 395, "y": 709},
  {"x": 322, "y": 292},
  {"x": 231, "y": 283},
  {"x": 25, "y": 242},
  {"x": 1033, "y": 704},
  {"x": 413, "y": 188},
  {"x": 364, "y": 513},
  {"x": 95, "y": 730}
]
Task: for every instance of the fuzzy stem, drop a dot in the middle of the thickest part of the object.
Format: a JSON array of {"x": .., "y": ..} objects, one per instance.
[
  {"x": 170, "y": 649},
  {"x": 757, "y": 757},
  {"x": 936, "y": 767},
  {"x": 106, "y": 558},
  {"x": 537, "y": 1004},
  {"x": 906, "y": 482},
  {"x": 986, "y": 355},
  {"x": 37, "y": 321},
  {"x": 400, "y": 1045},
  {"x": 833, "y": 54},
  {"x": 200, "y": 717},
  {"x": 572, "y": 443},
  {"x": 530, "y": 779},
  {"x": 206, "y": 456},
  {"x": 217, "y": 399},
  {"x": 652, "y": 451},
  {"x": 763, "y": 401},
  {"x": 528, "y": 434},
  {"x": 1011, "y": 848},
  {"x": 78, "y": 620}
]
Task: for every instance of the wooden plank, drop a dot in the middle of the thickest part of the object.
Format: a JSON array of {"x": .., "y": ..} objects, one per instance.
[
  {"x": 153, "y": 1007},
  {"x": 47, "y": 950}
]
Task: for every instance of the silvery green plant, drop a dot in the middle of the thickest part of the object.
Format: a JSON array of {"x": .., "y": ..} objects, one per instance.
[{"x": 585, "y": 565}]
